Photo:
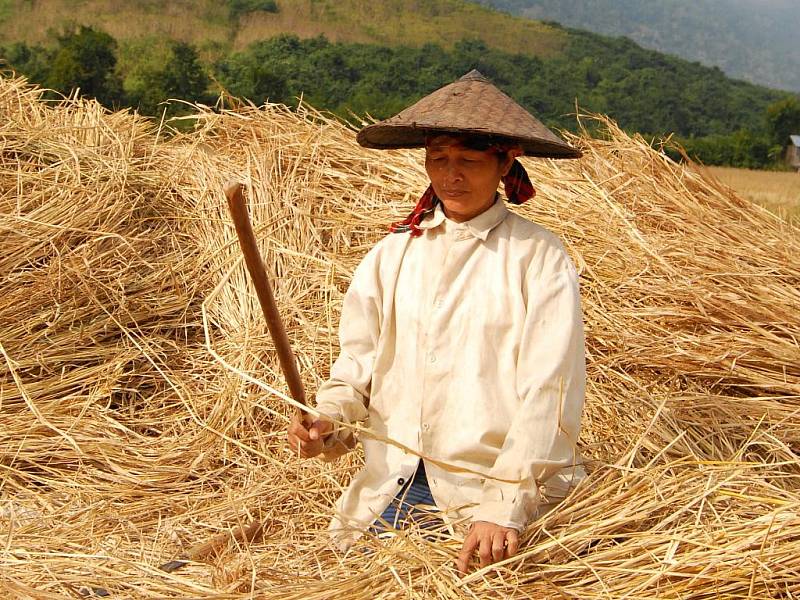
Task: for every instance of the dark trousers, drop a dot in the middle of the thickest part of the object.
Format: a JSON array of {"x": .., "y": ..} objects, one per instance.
[{"x": 413, "y": 504}]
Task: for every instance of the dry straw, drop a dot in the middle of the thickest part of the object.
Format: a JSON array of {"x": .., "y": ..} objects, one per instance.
[{"x": 135, "y": 419}]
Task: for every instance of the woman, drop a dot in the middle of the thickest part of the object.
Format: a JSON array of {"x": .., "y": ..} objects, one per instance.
[{"x": 461, "y": 337}]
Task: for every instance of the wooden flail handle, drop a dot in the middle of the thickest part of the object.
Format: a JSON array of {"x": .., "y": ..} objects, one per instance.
[
  {"x": 258, "y": 273},
  {"x": 201, "y": 551}
]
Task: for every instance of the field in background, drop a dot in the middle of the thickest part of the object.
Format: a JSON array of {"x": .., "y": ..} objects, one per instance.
[{"x": 779, "y": 191}]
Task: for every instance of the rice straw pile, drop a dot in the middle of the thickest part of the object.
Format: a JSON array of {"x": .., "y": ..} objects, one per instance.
[{"x": 136, "y": 417}]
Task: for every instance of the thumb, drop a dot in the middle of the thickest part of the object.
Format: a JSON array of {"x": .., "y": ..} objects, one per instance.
[{"x": 318, "y": 429}]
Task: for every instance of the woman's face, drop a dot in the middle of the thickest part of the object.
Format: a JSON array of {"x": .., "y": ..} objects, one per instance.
[{"x": 465, "y": 180}]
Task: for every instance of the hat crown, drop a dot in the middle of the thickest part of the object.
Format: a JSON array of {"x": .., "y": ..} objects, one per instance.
[{"x": 471, "y": 105}]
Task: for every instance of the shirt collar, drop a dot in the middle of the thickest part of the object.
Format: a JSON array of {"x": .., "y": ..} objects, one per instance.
[{"x": 479, "y": 226}]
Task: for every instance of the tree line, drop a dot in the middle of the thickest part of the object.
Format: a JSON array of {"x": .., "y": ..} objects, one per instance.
[{"x": 717, "y": 120}]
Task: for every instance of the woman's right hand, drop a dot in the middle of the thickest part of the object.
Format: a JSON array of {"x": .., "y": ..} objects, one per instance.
[{"x": 306, "y": 435}]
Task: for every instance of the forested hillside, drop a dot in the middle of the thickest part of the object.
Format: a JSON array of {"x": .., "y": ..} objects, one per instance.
[
  {"x": 720, "y": 120},
  {"x": 217, "y": 27},
  {"x": 753, "y": 40}
]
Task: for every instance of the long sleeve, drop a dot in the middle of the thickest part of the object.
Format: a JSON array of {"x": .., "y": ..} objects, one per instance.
[
  {"x": 550, "y": 383},
  {"x": 345, "y": 395}
]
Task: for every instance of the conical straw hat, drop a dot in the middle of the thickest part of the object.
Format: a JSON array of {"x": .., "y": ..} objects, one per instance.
[{"x": 470, "y": 105}]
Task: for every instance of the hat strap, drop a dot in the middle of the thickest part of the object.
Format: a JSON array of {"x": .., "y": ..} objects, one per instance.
[
  {"x": 426, "y": 205},
  {"x": 518, "y": 186}
]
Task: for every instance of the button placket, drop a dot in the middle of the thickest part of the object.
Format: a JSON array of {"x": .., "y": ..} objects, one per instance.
[{"x": 431, "y": 336}]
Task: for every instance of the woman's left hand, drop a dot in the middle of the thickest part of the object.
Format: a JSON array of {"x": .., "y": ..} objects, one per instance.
[{"x": 493, "y": 542}]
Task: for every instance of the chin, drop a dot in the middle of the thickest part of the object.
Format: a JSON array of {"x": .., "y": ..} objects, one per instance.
[
  {"x": 458, "y": 203},
  {"x": 461, "y": 207}
]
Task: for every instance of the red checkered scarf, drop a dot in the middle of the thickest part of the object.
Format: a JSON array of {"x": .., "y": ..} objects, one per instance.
[{"x": 517, "y": 184}]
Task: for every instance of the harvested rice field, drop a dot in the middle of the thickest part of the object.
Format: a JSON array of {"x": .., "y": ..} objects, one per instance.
[
  {"x": 779, "y": 191},
  {"x": 142, "y": 410}
]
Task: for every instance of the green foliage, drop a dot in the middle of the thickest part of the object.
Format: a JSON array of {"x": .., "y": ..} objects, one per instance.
[
  {"x": 656, "y": 93},
  {"x": 6, "y": 8},
  {"x": 141, "y": 61},
  {"x": 643, "y": 90},
  {"x": 783, "y": 120},
  {"x": 32, "y": 61},
  {"x": 183, "y": 76},
  {"x": 178, "y": 75},
  {"x": 719, "y": 121},
  {"x": 739, "y": 149},
  {"x": 240, "y": 7},
  {"x": 85, "y": 59}
]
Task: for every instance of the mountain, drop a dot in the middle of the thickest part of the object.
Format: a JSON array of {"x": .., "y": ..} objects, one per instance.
[{"x": 758, "y": 41}]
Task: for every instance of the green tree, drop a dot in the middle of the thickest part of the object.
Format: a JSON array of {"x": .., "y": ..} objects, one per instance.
[
  {"x": 783, "y": 120},
  {"x": 86, "y": 59},
  {"x": 183, "y": 75},
  {"x": 263, "y": 71},
  {"x": 177, "y": 74},
  {"x": 31, "y": 61}
]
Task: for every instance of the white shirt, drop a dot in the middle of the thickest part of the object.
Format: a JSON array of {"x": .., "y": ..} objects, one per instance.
[{"x": 466, "y": 345}]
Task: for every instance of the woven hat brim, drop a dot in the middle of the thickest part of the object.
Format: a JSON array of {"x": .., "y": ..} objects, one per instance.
[
  {"x": 470, "y": 105},
  {"x": 391, "y": 137}
]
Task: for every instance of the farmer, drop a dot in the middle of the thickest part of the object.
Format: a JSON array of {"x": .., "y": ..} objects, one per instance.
[{"x": 461, "y": 339}]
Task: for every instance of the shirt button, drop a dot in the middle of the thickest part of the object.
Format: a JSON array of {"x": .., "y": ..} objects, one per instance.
[
  {"x": 432, "y": 357},
  {"x": 401, "y": 481},
  {"x": 426, "y": 426}
]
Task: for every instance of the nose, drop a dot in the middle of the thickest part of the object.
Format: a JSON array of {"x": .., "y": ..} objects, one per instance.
[{"x": 453, "y": 173}]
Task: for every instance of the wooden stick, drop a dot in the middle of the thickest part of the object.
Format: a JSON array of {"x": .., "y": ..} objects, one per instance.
[
  {"x": 200, "y": 551},
  {"x": 258, "y": 273}
]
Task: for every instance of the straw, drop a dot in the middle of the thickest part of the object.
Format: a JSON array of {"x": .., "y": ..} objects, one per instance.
[{"x": 136, "y": 417}]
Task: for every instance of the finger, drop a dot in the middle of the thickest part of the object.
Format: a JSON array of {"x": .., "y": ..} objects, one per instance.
[
  {"x": 302, "y": 447},
  {"x": 498, "y": 546},
  {"x": 513, "y": 542},
  {"x": 320, "y": 429},
  {"x": 291, "y": 436},
  {"x": 309, "y": 453},
  {"x": 462, "y": 563},
  {"x": 485, "y": 550},
  {"x": 300, "y": 431},
  {"x": 310, "y": 450}
]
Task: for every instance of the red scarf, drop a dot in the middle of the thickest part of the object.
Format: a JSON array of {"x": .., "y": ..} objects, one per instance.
[{"x": 518, "y": 188}]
